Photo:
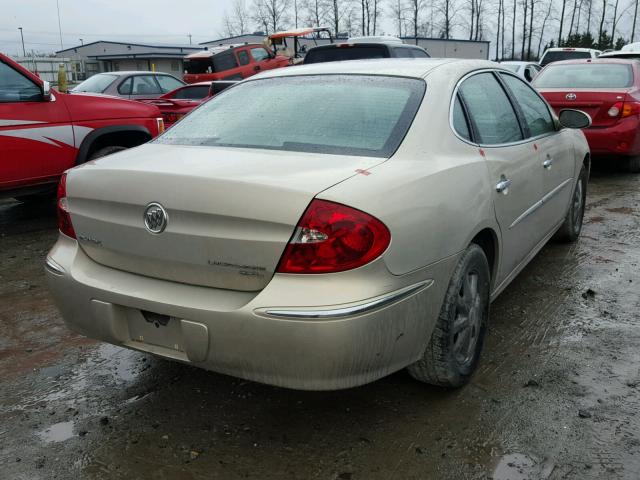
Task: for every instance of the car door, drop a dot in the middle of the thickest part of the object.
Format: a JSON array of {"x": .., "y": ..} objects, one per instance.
[
  {"x": 226, "y": 66},
  {"x": 246, "y": 63},
  {"x": 555, "y": 156},
  {"x": 512, "y": 163},
  {"x": 36, "y": 136}
]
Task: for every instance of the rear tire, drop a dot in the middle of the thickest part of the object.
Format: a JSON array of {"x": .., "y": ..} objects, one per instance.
[
  {"x": 572, "y": 225},
  {"x": 453, "y": 351},
  {"x": 104, "y": 151}
]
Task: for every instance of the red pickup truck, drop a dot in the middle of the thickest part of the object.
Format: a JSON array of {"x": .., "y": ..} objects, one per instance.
[{"x": 44, "y": 132}]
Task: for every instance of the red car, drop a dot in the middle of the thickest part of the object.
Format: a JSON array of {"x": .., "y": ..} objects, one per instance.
[
  {"x": 176, "y": 104},
  {"x": 230, "y": 62},
  {"x": 44, "y": 132},
  {"x": 609, "y": 91}
]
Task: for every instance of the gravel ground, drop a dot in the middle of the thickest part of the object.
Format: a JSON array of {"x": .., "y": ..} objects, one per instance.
[{"x": 557, "y": 394}]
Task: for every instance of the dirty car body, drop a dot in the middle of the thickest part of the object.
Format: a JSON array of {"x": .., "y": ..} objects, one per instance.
[{"x": 224, "y": 260}]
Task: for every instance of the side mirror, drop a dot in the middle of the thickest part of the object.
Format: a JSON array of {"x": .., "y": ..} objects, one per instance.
[
  {"x": 570, "y": 118},
  {"x": 46, "y": 91}
]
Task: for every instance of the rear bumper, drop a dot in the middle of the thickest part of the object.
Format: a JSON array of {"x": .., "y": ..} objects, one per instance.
[
  {"x": 308, "y": 344},
  {"x": 620, "y": 139}
]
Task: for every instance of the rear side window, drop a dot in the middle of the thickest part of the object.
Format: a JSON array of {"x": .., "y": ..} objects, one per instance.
[
  {"x": 535, "y": 111},
  {"x": 15, "y": 87},
  {"x": 403, "y": 53},
  {"x": 145, "y": 85},
  {"x": 125, "y": 87},
  {"x": 192, "y": 93},
  {"x": 459, "y": 120},
  {"x": 490, "y": 110},
  {"x": 586, "y": 75},
  {"x": 168, "y": 83},
  {"x": 336, "y": 54},
  {"x": 224, "y": 61},
  {"x": 566, "y": 55},
  {"x": 419, "y": 53}
]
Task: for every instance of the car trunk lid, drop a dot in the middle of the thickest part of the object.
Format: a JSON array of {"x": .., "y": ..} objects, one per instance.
[
  {"x": 231, "y": 211},
  {"x": 596, "y": 103}
]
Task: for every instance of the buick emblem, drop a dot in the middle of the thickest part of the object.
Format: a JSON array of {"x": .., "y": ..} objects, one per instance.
[
  {"x": 570, "y": 96},
  {"x": 155, "y": 218}
]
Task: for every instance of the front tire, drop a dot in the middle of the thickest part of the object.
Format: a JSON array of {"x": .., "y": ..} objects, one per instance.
[
  {"x": 453, "y": 351},
  {"x": 572, "y": 225}
]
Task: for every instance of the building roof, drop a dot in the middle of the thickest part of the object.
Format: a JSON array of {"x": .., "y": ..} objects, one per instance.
[{"x": 155, "y": 46}]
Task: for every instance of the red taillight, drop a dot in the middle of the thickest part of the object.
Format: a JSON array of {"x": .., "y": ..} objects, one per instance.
[
  {"x": 331, "y": 237},
  {"x": 624, "y": 109},
  {"x": 64, "y": 219}
]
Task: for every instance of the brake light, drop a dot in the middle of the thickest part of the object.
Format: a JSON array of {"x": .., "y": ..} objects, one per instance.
[
  {"x": 331, "y": 237},
  {"x": 64, "y": 219},
  {"x": 624, "y": 109}
]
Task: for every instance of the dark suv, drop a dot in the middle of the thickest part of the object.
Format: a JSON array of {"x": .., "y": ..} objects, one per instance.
[{"x": 359, "y": 50}]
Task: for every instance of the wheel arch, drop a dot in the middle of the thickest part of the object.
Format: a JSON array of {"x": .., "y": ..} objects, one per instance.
[
  {"x": 122, "y": 135},
  {"x": 487, "y": 239}
]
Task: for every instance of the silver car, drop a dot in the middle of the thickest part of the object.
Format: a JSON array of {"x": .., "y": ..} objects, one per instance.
[
  {"x": 133, "y": 85},
  {"x": 323, "y": 226}
]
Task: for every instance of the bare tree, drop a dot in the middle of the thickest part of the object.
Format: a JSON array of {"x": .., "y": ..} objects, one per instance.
[
  {"x": 525, "y": 5},
  {"x": 635, "y": 16},
  {"x": 397, "y": 13},
  {"x": 564, "y": 6},
  {"x": 601, "y": 29},
  {"x": 271, "y": 14},
  {"x": 573, "y": 15},
  {"x": 498, "y": 31},
  {"x": 544, "y": 24},
  {"x": 238, "y": 22},
  {"x": 531, "y": 8},
  {"x": 513, "y": 31},
  {"x": 315, "y": 12}
]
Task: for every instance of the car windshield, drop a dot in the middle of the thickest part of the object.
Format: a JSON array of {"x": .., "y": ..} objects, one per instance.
[
  {"x": 563, "y": 55},
  {"x": 510, "y": 66},
  {"x": 340, "y": 114},
  {"x": 335, "y": 54},
  {"x": 96, "y": 84},
  {"x": 588, "y": 75}
]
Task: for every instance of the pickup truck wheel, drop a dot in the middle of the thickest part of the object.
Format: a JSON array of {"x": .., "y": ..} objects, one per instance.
[
  {"x": 572, "y": 225},
  {"x": 103, "y": 152},
  {"x": 633, "y": 164},
  {"x": 453, "y": 351}
]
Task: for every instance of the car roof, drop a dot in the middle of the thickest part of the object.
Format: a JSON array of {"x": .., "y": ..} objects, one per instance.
[
  {"x": 579, "y": 61},
  {"x": 120, "y": 73},
  {"x": 415, "y": 67},
  {"x": 517, "y": 62},
  {"x": 570, "y": 49},
  {"x": 361, "y": 43}
]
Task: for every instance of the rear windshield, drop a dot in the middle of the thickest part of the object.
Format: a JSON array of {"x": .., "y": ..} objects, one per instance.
[
  {"x": 336, "y": 54},
  {"x": 336, "y": 114},
  {"x": 192, "y": 93},
  {"x": 564, "y": 55},
  {"x": 198, "y": 65},
  {"x": 588, "y": 75},
  {"x": 96, "y": 84}
]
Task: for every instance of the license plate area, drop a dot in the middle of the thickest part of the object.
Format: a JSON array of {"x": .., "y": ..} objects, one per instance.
[{"x": 155, "y": 329}]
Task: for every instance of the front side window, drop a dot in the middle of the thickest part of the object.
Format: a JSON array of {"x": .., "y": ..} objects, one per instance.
[
  {"x": 168, "y": 83},
  {"x": 585, "y": 75},
  {"x": 536, "y": 113},
  {"x": 224, "y": 61},
  {"x": 259, "y": 54},
  {"x": 96, "y": 84},
  {"x": 342, "y": 114},
  {"x": 15, "y": 87},
  {"x": 490, "y": 110},
  {"x": 145, "y": 85},
  {"x": 419, "y": 53}
]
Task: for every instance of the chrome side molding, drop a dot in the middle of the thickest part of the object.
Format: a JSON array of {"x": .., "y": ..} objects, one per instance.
[{"x": 351, "y": 310}]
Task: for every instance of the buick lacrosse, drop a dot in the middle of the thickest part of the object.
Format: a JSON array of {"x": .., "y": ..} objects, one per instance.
[{"x": 322, "y": 226}]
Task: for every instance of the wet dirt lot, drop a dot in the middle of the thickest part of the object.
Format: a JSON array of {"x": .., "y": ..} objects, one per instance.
[{"x": 557, "y": 395}]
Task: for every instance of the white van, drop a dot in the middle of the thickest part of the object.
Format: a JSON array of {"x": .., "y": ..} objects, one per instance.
[{"x": 567, "y": 53}]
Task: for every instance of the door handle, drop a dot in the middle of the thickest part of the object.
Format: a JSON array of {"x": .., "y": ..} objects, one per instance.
[
  {"x": 503, "y": 185},
  {"x": 256, "y": 68},
  {"x": 547, "y": 163}
]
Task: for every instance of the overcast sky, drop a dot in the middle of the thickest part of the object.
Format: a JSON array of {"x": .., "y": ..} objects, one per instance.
[{"x": 132, "y": 20}]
